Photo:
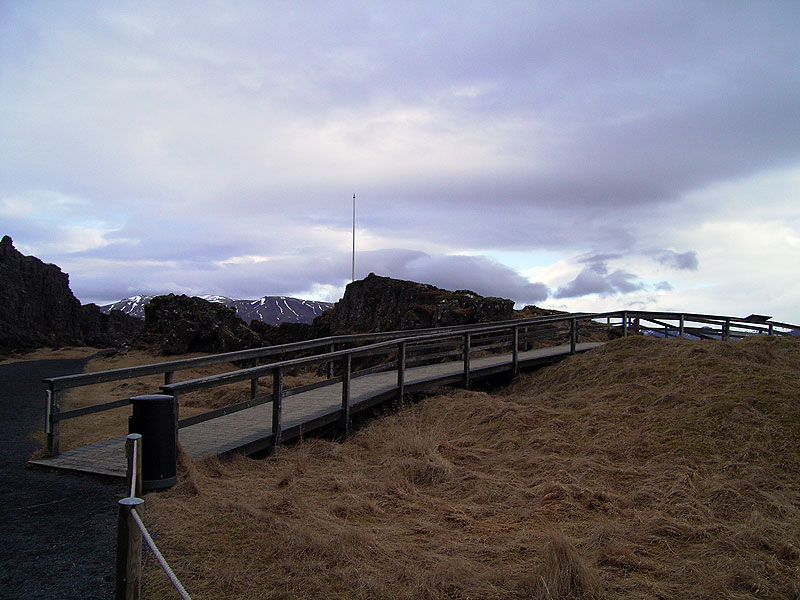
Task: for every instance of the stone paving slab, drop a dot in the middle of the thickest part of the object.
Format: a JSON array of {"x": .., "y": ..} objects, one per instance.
[{"x": 236, "y": 430}]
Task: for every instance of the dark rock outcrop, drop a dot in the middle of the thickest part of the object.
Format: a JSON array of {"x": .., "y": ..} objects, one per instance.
[
  {"x": 181, "y": 324},
  {"x": 285, "y": 333},
  {"x": 103, "y": 330},
  {"x": 37, "y": 308},
  {"x": 384, "y": 304}
]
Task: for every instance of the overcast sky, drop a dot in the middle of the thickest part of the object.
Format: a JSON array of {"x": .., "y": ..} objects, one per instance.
[{"x": 574, "y": 155}]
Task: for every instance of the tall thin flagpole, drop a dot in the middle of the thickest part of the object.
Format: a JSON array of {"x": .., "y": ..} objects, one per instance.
[{"x": 353, "y": 271}]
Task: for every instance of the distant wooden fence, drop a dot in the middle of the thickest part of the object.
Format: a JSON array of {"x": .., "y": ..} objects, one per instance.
[{"x": 394, "y": 350}]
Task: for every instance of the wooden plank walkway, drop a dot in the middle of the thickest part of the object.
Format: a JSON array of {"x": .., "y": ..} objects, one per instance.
[{"x": 250, "y": 430}]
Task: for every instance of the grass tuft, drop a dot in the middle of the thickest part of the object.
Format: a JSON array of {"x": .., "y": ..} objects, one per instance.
[{"x": 644, "y": 469}]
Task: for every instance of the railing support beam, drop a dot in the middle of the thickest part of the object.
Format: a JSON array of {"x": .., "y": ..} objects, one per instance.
[
  {"x": 515, "y": 351},
  {"x": 51, "y": 421},
  {"x": 401, "y": 371},
  {"x": 573, "y": 335},
  {"x": 467, "y": 344},
  {"x": 347, "y": 365},
  {"x": 277, "y": 401},
  {"x": 329, "y": 369}
]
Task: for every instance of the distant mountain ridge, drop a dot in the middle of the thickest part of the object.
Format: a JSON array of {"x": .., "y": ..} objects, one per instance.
[{"x": 272, "y": 310}]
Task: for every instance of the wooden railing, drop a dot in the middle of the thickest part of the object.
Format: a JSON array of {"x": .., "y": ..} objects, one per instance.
[{"x": 395, "y": 350}]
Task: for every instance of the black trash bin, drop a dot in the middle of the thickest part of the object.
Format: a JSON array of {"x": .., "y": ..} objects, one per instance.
[{"x": 154, "y": 417}]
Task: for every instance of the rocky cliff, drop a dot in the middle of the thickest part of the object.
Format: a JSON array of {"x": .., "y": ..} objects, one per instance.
[
  {"x": 384, "y": 304},
  {"x": 180, "y": 324},
  {"x": 38, "y": 309}
]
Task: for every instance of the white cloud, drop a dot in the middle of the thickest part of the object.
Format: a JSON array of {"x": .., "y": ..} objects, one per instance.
[{"x": 216, "y": 147}]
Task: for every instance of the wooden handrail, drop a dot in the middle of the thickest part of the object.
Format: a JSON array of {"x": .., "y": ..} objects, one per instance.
[{"x": 382, "y": 342}]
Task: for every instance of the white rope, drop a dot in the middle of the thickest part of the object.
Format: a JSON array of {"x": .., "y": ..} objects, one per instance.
[{"x": 159, "y": 557}]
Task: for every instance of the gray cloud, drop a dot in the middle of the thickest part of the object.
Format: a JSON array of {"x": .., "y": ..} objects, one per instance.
[
  {"x": 595, "y": 279},
  {"x": 683, "y": 261},
  {"x": 174, "y": 144},
  {"x": 479, "y": 274},
  {"x": 663, "y": 286}
]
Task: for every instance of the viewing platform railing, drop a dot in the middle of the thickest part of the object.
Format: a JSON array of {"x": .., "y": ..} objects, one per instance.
[{"x": 394, "y": 350}]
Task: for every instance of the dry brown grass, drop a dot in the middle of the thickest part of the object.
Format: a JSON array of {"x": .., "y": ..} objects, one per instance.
[
  {"x": 50, "y": 354},
  {"x": 114, "y": 423},
  {"x": 644, "y": 469}
]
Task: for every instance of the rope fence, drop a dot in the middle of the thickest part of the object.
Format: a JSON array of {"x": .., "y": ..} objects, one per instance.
[{"x": 131, "y": 531}]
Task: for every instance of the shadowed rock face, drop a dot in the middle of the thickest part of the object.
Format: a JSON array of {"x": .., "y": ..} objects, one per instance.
[
  {"x": 38, "y": 309},
  {"x": 180, "y": 324},
  {"x": 384, "y": 304}
]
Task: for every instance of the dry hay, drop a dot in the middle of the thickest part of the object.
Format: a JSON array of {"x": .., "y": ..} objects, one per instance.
[
  {"x": 644, "y": 469},
  {"x": 65, "y": 352}
]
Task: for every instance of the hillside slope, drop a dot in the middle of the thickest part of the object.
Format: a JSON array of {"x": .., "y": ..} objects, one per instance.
[{"x": 644, "y": 469}]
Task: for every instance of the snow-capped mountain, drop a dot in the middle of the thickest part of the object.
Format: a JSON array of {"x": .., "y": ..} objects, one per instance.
[
  {"x": 133, "y": 306},
  {"x": 272, "y": 310}
]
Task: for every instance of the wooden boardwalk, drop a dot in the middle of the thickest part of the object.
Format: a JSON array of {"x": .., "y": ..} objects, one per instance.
[{"x": 250, "y": 430}]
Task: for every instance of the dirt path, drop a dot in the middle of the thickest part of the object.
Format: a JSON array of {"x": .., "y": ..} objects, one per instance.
[{"x": 58, "y": 530}]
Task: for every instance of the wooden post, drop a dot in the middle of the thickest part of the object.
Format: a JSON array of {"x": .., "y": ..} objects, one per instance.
[
  {"x": 467, "y": 340},
  {"x": 253, "y": 388},
  {"x": 347, "y": 363},
  {"x": 770, "y": 329},
  {"x": 680, "y": 329},
  {"x": 129, "y": 552},
  {"x": 573, "y": 335},
  {"x": 128, "y": 584},
  {"x": 726, "y": 330},
  {"x": 625, "y": 324},
  {"x": 401, "y": 371},
  {"x": 666, "y": 330},
  {"x": 177, "y": 414},
  {"x": 169, "y": 377},
  {"x": 51, "y": 421},
  {"x": 515, "y": 350},
  {"x": 330, "y": 363},
  {"x": 277, "y": 400}
]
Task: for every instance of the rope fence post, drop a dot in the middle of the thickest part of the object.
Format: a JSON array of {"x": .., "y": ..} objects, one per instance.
[
  {"x": 128, "y": 582},
  {"x": 131, "y": 531}
]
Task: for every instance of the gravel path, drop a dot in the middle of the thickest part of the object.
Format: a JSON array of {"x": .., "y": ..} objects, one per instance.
[{"x": 59, "y": 530}]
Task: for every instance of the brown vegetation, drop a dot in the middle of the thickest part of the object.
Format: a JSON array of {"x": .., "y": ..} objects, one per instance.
[
  {"x": 644, "y": 469},
  {"x": 50, "y": 354}
]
